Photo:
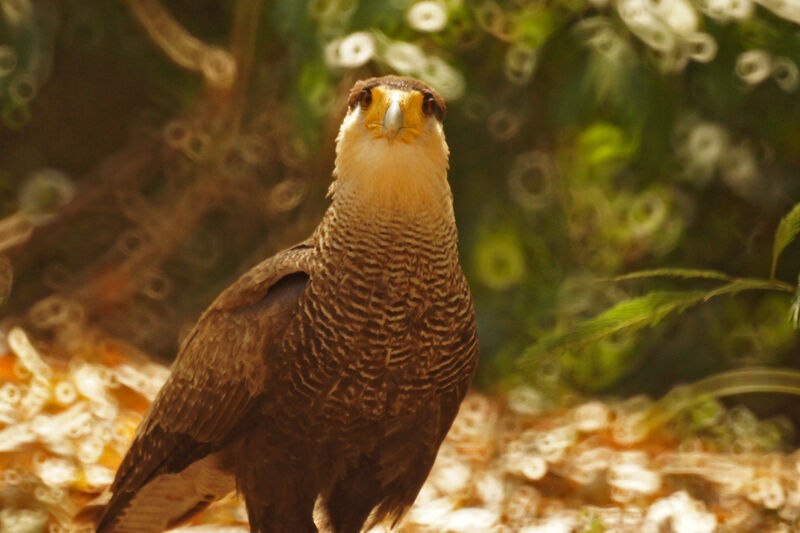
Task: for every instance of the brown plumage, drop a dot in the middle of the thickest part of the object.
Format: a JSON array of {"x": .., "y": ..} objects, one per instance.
[{"x": 334, "y": 369}]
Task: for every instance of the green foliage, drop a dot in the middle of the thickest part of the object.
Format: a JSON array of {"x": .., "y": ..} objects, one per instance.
[
  {"x": 787, "y": 230},
  {"x": 605, "y": 149},
  {"x": 629, "y": 316},
  {"x": 637, "y": 313},
  {"x": 597, "y": 366},
  {"x": 700, "y": 397},
  {"x": 500, "y": 260},
  {"x": 686, "y": 273}
]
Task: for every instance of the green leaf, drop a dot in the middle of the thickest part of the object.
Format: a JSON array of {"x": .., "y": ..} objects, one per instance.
[
  {"x": 630, "y": 315},
  {"x": 739, "y": 381},
  {"x": 637, "y": 313},
  {"x": 686, "y": 273},
  {"x": 787, "y": 230},
  {"x": 745, "y": 284}
]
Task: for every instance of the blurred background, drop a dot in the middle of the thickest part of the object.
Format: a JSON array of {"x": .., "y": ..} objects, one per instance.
[{"x": 151, "y": 151}]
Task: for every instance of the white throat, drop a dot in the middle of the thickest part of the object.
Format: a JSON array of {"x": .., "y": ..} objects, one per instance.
[{"x": 391, "y": 174}]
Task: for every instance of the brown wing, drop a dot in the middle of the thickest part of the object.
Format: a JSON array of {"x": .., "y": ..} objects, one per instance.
[{"x": 216, "y": 380}]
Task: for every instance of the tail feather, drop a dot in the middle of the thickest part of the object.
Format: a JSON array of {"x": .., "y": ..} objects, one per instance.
[{"x": 167, "y": 500}]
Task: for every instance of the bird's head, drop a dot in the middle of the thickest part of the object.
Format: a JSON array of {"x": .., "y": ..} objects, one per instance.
[{"x": 391, "y": 148}]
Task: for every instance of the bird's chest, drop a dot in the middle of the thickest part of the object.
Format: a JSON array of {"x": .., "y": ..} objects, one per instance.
[
  {"x": 385, "y": 307},
  {"x": 374, "y": 330}
]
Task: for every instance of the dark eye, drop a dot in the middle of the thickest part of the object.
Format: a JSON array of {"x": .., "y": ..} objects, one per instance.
[
  {"x": 428, "y": 104},
  {"x": 365, "y": 98}
]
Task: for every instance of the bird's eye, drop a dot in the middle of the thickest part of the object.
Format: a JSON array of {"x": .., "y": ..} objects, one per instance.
[
  {"x": 365, "y": 98},
  {"x": 428, "y": 104}
]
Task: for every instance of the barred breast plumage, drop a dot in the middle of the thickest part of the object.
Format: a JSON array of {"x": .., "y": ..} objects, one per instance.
[
  {"x": 383, "y": 316},
  {"x": 330, "y": 373}
]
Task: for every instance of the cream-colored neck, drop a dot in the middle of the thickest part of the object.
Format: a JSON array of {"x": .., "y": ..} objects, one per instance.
[{"x": 392, "y": 176}]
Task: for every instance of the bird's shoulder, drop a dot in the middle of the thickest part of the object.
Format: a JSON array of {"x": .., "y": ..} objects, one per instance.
[
  {"x": 223, "y": 357},
  {"x": 254, "y": 285}
]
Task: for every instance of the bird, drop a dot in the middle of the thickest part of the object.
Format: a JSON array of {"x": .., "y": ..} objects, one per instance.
[{"x": 321, "y": 384}]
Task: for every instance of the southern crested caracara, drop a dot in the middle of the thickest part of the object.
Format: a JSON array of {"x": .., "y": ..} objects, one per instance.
[{"x": 333, "y": 370}]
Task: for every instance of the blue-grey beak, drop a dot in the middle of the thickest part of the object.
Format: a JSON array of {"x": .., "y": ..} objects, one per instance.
[{"x": 392, "y": 120}]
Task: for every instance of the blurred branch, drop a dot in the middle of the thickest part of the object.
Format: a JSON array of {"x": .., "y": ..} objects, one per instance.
[
  {"x": 216, "y": 64},
  {"x": 244, "y": 35},
  {"x": 245, "y": 32}
]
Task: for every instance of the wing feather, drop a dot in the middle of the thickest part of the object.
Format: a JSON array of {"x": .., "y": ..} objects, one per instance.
[{"x": 216, "y": 380}]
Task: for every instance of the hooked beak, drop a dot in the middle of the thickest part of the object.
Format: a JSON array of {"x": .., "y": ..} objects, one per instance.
[{"x": 392, "y": 120}]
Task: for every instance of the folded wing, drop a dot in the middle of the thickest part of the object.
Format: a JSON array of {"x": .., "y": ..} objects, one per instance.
[{"x": 175, "y": 466}]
